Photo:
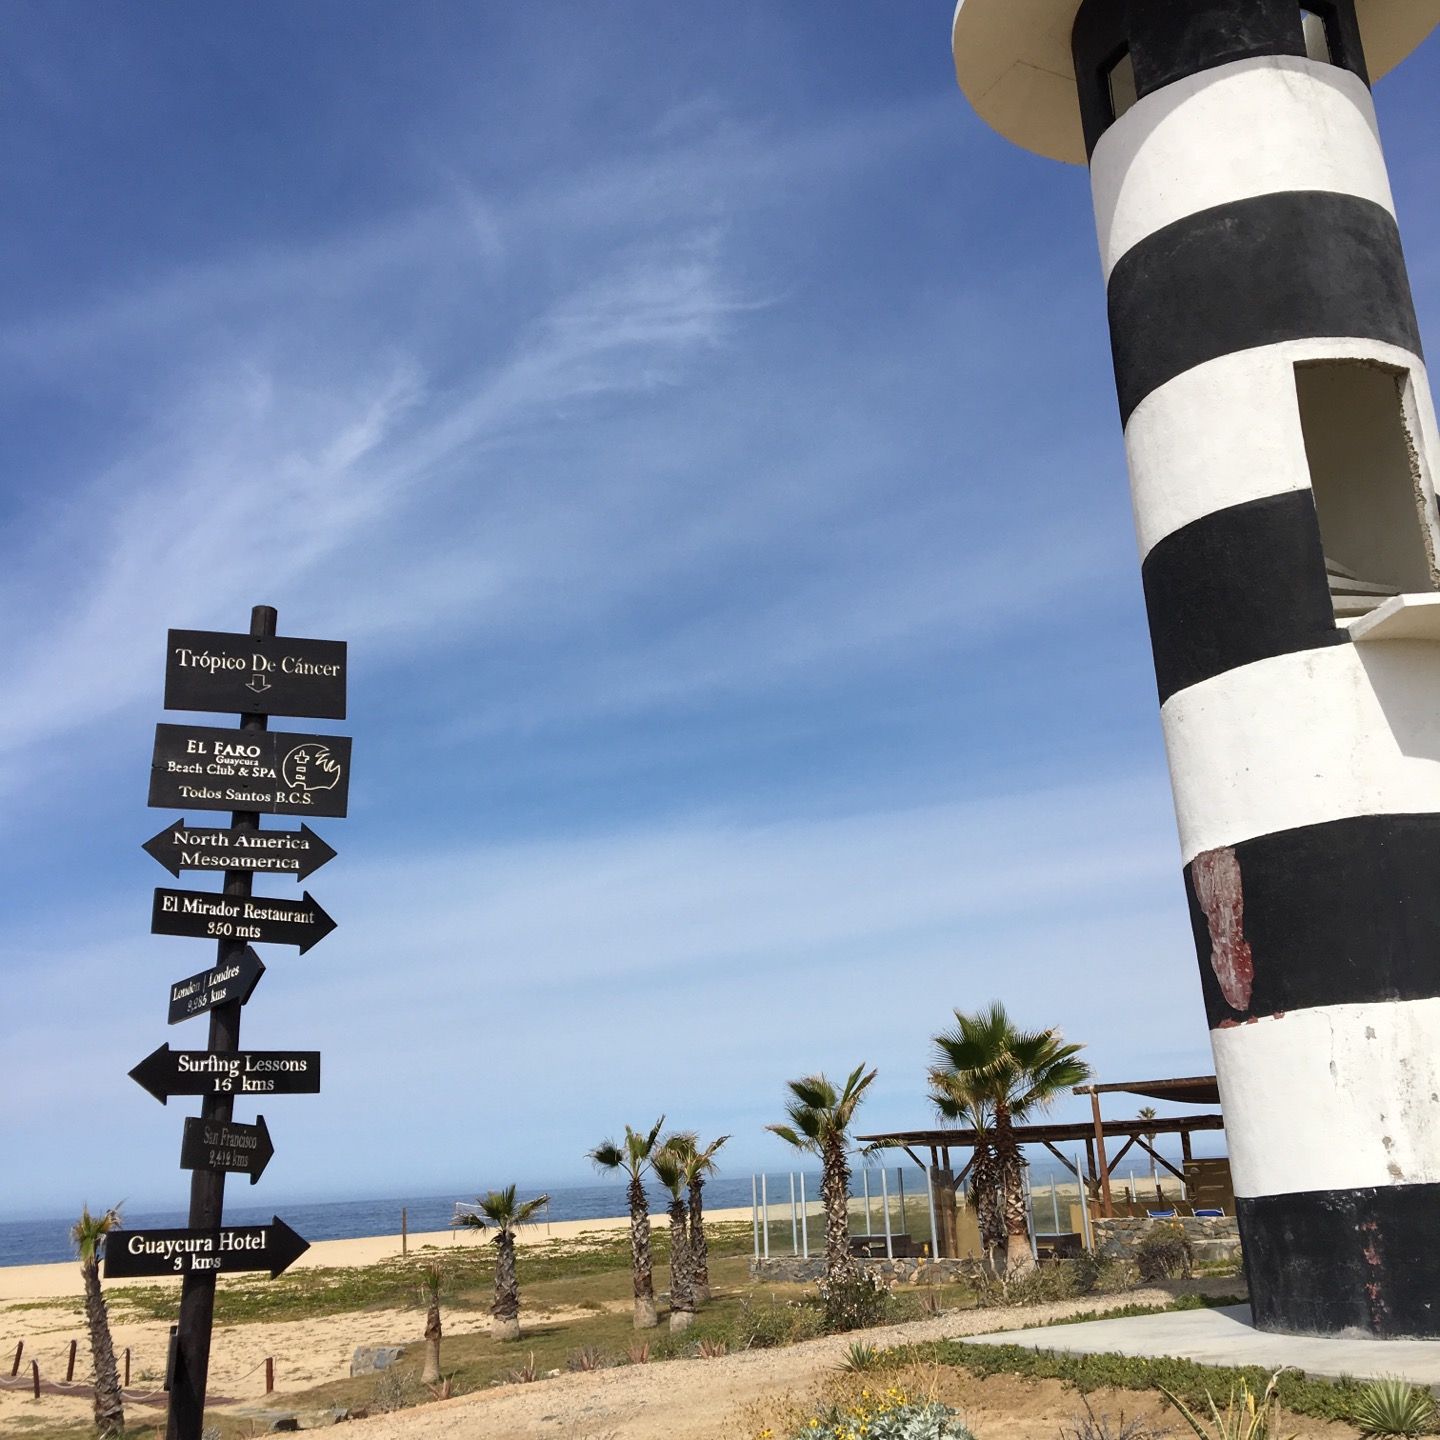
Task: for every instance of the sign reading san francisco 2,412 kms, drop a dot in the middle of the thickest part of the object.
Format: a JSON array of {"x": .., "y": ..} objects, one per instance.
[
  {"x": 277, "y": 852},
  {"x": 202, "y": 767},
  {"x": 226, "y": 1145},
  {"x": 133, "y": 1253},
  {"x": 219, "y": 985},
  {"x": 165, "y": 1072},
  {"x": 280, "y": 675},
  {"x": 204, "y": 915}
]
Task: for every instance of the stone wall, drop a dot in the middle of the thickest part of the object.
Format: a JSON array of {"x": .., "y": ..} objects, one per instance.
[{"x": 1213, "y": 1239}]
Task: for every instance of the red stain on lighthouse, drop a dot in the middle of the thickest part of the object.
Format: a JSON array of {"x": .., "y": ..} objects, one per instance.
[{"x": 1216, "y": 875}]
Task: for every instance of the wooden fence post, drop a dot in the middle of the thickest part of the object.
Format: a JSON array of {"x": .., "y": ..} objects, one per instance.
[
  {"x": 404, "y": 1232},
  {"x": 70, "y": 1364},
  {"x": 127, "y": 1367},
  {"x": 15, "y": 1368},
  {"x": 269, "y": 1374},
  {"x": 35, "y": 1377}
]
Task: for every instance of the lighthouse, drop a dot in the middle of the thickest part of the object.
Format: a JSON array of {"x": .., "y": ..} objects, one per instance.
[{"x": 1282, "y": 447}]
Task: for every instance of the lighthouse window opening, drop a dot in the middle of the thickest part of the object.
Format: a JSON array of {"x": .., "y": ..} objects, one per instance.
[
  {"x": 1370, "y": 494},
  {"x": 1319, "y": 32},
  {"x": 1120, "y": 84}
]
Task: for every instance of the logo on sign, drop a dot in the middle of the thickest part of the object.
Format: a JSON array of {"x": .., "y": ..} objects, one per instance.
[{"x": 311, "y": 767}]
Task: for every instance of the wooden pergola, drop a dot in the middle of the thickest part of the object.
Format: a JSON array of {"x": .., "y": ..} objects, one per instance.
[{"x": 1194, "y": 1090}]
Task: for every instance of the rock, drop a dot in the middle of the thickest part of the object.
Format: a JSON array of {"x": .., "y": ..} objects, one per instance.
[
  {"x": 284, "y": 1423},
  {"x": 368, "y": 1359}
]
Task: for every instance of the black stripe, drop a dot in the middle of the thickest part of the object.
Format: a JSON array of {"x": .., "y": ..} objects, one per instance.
[
  {"x": 1323, "y": 1261},
  {"x": 1345, "y": 913},
  {"x": 1288, "y": 266},
  {"x": 1240, "y": 584}
]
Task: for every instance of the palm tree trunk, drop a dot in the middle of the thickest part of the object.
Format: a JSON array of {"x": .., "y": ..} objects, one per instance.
[
  {"x": 109, "y": 1407},
  {"x": 506, "y": 1309},
  {"x": 1011, "y": 1167},
  {"x": 835, "y": 1197},
  {"x": 431, "y": 1373},
  {"x": 641, "y": 1265},
  {"x": 699, "y": 1248},
  {"x": 682, "y": 1295},
  {"x": 989, "y": 1210}
]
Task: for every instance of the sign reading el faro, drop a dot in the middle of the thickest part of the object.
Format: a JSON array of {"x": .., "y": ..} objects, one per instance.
[
  {"x": 281, "y": 675},
  {"x": 201, "y": 767}
]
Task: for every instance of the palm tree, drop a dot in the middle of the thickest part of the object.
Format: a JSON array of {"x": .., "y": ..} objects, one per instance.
[
  {"x": 699, "y": 1165},
  {"x": 669, "y": 1165},
  {"x": 1147, "y": 1112},
  {"x": 432, "y": 1281},
  {"x": 954, "y": 1104},
  {"x": 1009, "y": 1074},
  {"x": 636, "y": 1158},
  {"x": 499, "y": 1211},
  {"x": 88, "y": 1232},
  {"x": 820, "y": 1119}
]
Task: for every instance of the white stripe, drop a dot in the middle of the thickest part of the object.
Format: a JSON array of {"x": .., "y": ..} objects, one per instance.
[
  {"x": 1305, "y": 738},
  {"x": 1253, "y": 127},
  {"x": 1341, "y": 1097},
  {"x": 1228, "y": 431}
]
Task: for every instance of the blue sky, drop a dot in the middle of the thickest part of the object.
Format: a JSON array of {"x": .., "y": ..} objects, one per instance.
[{"x": 701, "y": 428}]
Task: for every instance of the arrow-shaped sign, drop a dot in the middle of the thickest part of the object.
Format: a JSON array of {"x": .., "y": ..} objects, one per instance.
[
  {"x": 165, "y": 1072},
  {"x": 233, "y": 980},
  {"x": 284, "y": 852},
  {"x": 224, "y": 1145},
  {"x": 204, "y": 915},
  {"x": 274, "y": 1247}
]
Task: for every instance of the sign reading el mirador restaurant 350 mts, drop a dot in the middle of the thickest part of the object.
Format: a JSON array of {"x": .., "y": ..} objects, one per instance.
[{"x": 250, "y": 772}]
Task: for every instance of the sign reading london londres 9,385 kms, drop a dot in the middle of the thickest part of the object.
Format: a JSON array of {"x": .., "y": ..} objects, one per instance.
[
  {"x": 200, "y": 767},
  {"x": 281, "y": 675}
]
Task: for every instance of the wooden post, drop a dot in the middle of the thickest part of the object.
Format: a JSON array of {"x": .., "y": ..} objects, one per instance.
[
  {"x": 404, "y": 1232},
  {"x": 35, "y": 1377},
  {"x": 19, "y": 1351},
  {"x": 1107, "y": 1207},
  {"x": 186, "y": 1418},
  {"x": 70, "y": 1363},
  {"x": 269, "y": 1373},
  {"x": 127, "y": 1367}
]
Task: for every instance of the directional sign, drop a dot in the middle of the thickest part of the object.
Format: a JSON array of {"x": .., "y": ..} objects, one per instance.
[
  {"x": 282, "y": 852},
  {"x": 234, "y": 980},
  {"x": 165, "y": 1072},
  {"x": 224, "y": 1145},
  {"x": 203, "y": 767},
  {"x": 211, "y": 670},
  {"x": 274, "y": 1247},
  {"x": 204, "y": 915}
]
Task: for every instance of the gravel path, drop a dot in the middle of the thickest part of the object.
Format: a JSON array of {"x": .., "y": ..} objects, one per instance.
[{"x": 690, "y": 1399}]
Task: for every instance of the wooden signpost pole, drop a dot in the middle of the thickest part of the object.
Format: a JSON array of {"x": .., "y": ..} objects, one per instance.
[{"x": 207, "y": 1187}]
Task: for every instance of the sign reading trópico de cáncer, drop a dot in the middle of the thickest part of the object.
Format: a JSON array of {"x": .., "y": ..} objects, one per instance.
[{"x": 273, "y": 675}]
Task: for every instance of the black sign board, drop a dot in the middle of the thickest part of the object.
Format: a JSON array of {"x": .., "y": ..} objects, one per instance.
[
  {"x": 231, "y": 980},
  {"x": 204, "y": 915},
  {"x": 131, "y": 1253},
  {"x": 280, "y": 675},
  {"x": 201, "y": 767},
  {"x": 224, "y": 1145},
  {"x": 272, "y": 852},
  {"x": 165, "y": 1072}
]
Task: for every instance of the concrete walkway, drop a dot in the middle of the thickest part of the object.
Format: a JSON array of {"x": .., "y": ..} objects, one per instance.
[{"x": 1226, "y": 1337}]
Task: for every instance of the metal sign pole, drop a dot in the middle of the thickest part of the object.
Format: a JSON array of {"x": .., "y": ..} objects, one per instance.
[{"x": 207, "y": 1187}]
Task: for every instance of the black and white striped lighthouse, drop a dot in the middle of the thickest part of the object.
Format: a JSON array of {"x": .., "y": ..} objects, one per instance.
[{"x": 1283, "y": 451}]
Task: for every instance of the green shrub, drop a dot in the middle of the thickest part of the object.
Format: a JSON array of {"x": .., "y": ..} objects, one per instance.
[
  {"x": 762, "y": 1326},
  {"x": 856, "y": 1301},
  {"x": 887, "y": 1415},
  {"x": 1165, "y": 1253},
  {"x": 1244, "y": 1418},
  {"x": 1392, "y": 1406}
]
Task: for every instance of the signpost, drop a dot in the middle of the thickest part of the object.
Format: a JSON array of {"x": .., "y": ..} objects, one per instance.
[
  {"x": 201, "y": 767},
  {"x": 224, "y": 1145},
  {"x": 204, "y": 915},
  {"x": 279, "y": 852},
  {"x": 235, "y": 980},
  {"x": 165, "y": 1072},
  {"x": 249, "y": 772},
  {"x": 130, "y": 1254},
  {"x": 255, "y": 674}
]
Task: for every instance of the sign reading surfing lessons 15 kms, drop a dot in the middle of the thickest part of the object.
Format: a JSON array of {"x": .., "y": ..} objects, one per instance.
[
  {"x": 211, "y": 670},
  {"x": 204, "y": 915},
  {"x": 131, "y": 1253},
  {"x": 207, "y": 768},
  {"x": 165, "y": 1072}
]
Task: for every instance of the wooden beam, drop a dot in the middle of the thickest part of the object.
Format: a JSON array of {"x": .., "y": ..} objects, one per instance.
[
  {"x": 1106, "y": 1204},
  {"x": 1068, "y": 1164},
  {"x": 919, "y": 1163},
  {"x": 1160, "y": 1160}
]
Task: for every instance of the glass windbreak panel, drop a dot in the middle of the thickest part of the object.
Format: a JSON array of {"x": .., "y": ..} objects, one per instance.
[
  {"x": 1317, "y": 37},
  {"x": 1120, "y": 78},
  {"x": 1367, "y": 486}
]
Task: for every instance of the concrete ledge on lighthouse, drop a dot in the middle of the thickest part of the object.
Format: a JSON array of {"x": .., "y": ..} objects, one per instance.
[
  {"x": 1402, "y": 617},
  {"x": 1225, "y": 1336}
]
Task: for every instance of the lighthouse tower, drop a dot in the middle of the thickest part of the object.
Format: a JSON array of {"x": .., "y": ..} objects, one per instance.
[{"x": 1283, "y": 454}]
